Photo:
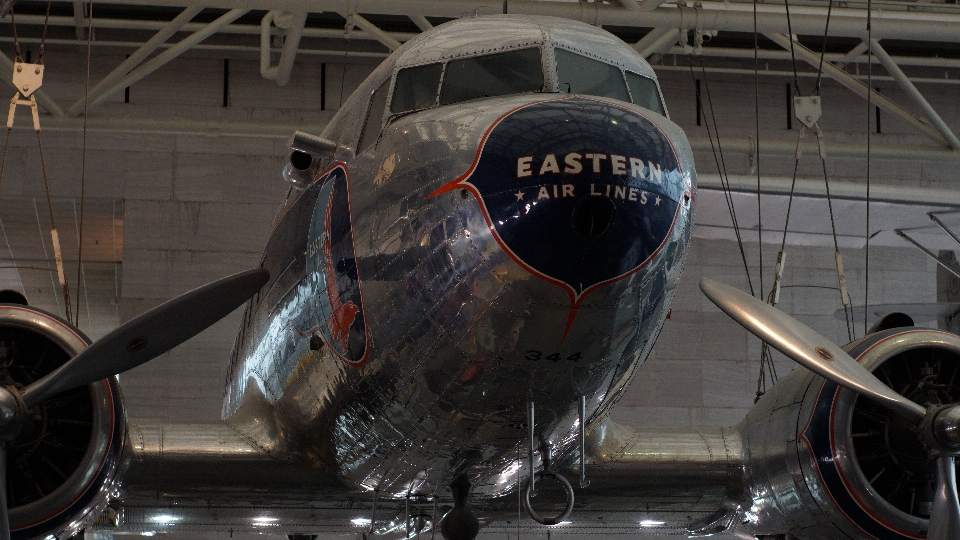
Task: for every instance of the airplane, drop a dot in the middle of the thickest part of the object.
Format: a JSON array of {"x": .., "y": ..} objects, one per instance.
[{"x": 476, "y": 256}]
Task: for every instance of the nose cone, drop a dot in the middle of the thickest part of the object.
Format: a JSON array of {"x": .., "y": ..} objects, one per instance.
[{"x": 581, "y": 192}]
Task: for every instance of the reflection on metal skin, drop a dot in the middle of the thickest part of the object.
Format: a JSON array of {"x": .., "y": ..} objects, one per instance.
[
  {"x": 801, "y": 468},
  {"x": 449, "y": 289}
]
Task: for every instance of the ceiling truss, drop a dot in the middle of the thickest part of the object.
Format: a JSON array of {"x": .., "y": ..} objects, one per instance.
[{"x": 284, "y": 24}]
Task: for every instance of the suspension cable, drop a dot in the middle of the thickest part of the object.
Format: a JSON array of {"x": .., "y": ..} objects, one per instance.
[
  {"x": 43, "y": 36},
  {"x": 722, "y": 170},
  {"x": 866, "y": 256},
  {"x": 83, "y": 158}
]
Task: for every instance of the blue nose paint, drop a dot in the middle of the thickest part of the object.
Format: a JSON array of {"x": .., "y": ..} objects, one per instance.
[{"x": 580, "y": 192}]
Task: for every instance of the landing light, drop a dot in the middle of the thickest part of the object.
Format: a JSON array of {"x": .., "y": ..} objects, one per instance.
[{"x": 651, "y": 523}]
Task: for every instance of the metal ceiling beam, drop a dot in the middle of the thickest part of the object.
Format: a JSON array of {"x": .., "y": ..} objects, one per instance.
[
  {"x": 857, "y": 87},
  {"x": 373, "y": 30},
  {"x": 138, "y": 56},
  {"x": 915, "y": 94},
  {"x": 168, "y": 55},
  {"x": 853, "y": 54},
  {"x": 724, "y": 16}
]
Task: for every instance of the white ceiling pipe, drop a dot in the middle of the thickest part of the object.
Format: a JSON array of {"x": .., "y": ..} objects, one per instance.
[
  {"x": 837, "y": 58},
  {"x": 79, "y": 21},
  {"x": 839, "y": 189},
  {"x": 649, "y": 38},
  {"x": 168, "y": 55},
  {"x": 139, "y": 55},
  {"x": 857, "y": 87},
  {"x": 834, "y": 149},
  {"x": 371, "y": 28},
  {"x": 632, "y": 5},
  {"x": 422, "y": 23},
  {"x": 650, "y": 5},
  {"x": 730, "y": 16},
  {"x": 292, "y": 25},
  {"x": 789, "y": 74},
  {"x": 216, "y": 127},
  {"x": 245, "y": 29},
  {"x": 853, "y": 54},
  {"x": 912, "y": 91},
  {"x": 661, "y": 44},
  {"x": 253, "y": 50}
]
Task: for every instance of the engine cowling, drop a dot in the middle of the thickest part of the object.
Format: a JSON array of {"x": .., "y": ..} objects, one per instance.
[
  {"x": 822, "y": 463},
  {"x": 62, "y": 464}
]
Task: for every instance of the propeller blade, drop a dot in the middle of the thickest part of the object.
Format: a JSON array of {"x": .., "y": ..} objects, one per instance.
[
  {"x": 806, "y": 347},
  {"x": 150, "y": 335},
  {"x": 4, "y": 513},
  {"x": 945, "y": 514}
]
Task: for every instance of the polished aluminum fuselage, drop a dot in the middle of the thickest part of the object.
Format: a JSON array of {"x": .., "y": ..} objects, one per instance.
[{"x": 459, "y": 333}]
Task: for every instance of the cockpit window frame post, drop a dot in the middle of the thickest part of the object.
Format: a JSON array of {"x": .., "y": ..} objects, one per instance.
[{"x": 370, "y": 105}]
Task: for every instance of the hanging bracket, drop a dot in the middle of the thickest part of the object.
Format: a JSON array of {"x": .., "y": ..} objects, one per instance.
[
  {"x": 27, "y": 78},
  {"x": 807, "y": 109}
]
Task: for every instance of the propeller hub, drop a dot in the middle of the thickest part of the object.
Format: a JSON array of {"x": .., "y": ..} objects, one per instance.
[
  {"x": 11, "y": 410},
  {"x": 946, "y": 428}
]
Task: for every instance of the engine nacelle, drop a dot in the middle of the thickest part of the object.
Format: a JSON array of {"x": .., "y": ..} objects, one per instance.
[
  {"x": 62, "y": 464},
  {"x": 823, "y": 464}
]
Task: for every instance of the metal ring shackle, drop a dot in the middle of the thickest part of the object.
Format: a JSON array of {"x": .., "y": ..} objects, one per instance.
[{"x": 568, "y": 489}]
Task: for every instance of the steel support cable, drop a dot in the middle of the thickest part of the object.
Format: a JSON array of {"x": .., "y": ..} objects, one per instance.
[
  {"x": 826, "y": 180},
  {"x": 64, "y": 285},
  {"x": 16, "y": 40},
  {"x": 793, "y": 56},
  {"x": 766, "y": 359},
  {"x": 866, "y": 255},
  {"x": 836, "y": 247},
  {"x": 823, "y": 48},
  {"x": 83, "y": 160},
  {"x": 722, "y": 170},
  {"x": 43, "y": 36}
]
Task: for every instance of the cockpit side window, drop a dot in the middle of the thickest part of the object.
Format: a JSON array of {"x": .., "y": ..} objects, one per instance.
[
  {"x": 416, "y": 88},
  {"x": 644, "y": 92},
  {"x": 371, "y": 127},
  {"x": 578, "y": 74},
  {"x": 513, "y": 72}
]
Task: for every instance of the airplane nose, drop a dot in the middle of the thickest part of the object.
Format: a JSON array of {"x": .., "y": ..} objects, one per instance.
[{"x": 581, "y": 192}]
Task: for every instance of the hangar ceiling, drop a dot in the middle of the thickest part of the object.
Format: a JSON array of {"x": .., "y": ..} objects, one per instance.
[{"x": 912, "y": 39}]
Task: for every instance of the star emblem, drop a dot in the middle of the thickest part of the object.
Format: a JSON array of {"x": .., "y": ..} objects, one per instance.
[
  {"x": 657, "y": 201},
  {"x": 519, "y": 195}
]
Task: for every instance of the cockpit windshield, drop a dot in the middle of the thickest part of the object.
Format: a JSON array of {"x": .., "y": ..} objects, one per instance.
[
  {"x": 578, "y": 74},
  {"x": 516, "y": 72},
  {"x": 500, "y": 74},
  {"x": 513, "y": 72}
]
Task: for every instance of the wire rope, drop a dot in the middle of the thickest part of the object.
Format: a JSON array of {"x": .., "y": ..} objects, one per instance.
[
  {"x": 866, "y": 255},
  {"x": 717, "y": 150},
  {"x": 83, "y": 158}
]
